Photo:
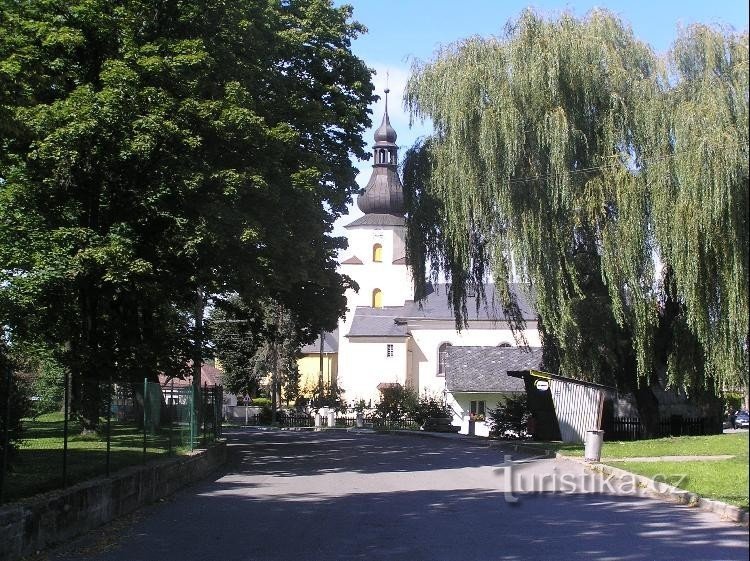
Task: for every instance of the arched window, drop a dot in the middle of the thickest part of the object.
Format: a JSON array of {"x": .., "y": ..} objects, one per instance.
[
  {"x": 377, "y": 253},
  {"x": 442, "y": 355},
  {"x": 377, "y": 298},
  {"x": 505, "y": 344}
]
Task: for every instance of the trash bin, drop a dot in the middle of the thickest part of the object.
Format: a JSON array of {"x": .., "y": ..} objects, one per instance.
[
  {"x": 318, "y": 420},
  {"x": 593, "y": 451},
  {"x": 360, "y": 421},
  {"x": 331, "y": 418}
]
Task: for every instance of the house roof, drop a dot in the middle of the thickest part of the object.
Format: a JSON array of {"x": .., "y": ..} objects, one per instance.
[
  {"x": 210, "y": 375},
  {"x": 377, "y": 322},
  {"x": 484, "y": 369},
  {"x": 330, "y": 344}
]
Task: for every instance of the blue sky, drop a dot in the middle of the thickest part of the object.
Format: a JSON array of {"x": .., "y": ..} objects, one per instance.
[{"x": 400, "y": 31}]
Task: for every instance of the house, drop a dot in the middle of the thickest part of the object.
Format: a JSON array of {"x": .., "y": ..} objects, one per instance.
[
  {"x": 476, "y": 380},
  {"x": 312, "y": 375},
  {"x": 386, "y": 338}
]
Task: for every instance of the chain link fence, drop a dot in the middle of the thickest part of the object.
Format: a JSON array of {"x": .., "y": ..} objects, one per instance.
[{"x": 99, "y": 428}]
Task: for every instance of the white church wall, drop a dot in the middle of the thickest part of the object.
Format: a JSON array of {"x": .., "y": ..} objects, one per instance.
[{"x": 364, "y": 363}]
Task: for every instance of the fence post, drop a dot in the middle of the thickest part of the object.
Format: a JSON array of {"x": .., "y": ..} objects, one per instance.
[
  {"x": 171, "y": 416},
  {"x": 6, "y": 433},
  {"x": 109, "y": 424},
  {"x": 66, "y": 412},
  {"x": 145, "y": 401}
]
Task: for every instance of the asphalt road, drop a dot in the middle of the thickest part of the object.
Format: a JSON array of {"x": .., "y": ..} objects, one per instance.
[{"x": 343, "y": 495}]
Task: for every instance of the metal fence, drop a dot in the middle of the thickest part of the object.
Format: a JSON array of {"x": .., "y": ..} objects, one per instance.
[
  {"x": 631, "y": 428},
  {"x": 98, "y": 428}
]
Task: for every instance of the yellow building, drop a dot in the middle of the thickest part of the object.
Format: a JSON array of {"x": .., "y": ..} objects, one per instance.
[{"x": 309, "y": 364}]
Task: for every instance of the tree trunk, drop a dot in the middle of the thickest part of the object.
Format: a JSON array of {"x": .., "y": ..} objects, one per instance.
[{"x": 648, "y": 410}]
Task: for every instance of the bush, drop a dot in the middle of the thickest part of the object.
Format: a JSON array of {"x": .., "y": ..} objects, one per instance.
[
  {"x": 431, "y": 407},
  {"x": 509, "y": 419},
  {"x": 20, "y": 407},
  {"x": 260, "y": 402},
  {"x": 396, "y": 403}
]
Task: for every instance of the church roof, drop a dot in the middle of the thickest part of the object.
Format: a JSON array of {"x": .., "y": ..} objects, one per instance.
[
  {"x": 353, "y": 260},
  {"x": 377, "y": 322},
  {"x": 330, "y": 344},
  {"x": 384, "y": 193},
  {"x": 436, "y": 305},
  {"x": 484, "y": 369},
  {"x": 377, "y": 220},
  {"x": 392, "y": 321}
]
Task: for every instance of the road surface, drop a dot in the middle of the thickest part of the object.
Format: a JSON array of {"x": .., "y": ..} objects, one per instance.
[{"x": 343, "y": 496}]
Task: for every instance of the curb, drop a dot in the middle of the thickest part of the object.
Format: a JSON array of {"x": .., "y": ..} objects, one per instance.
[{"x": 667, "y": 492}]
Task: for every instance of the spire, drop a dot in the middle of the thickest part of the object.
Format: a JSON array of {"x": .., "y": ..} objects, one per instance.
[
  {"x": 384, "y": 193},
  {"x": 385, "y": 134}
]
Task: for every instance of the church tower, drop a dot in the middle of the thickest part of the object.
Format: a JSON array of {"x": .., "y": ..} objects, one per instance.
[{"x": 377, "y": 250}]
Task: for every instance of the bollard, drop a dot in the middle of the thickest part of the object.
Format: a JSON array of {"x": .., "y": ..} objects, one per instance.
[
  {"x": 318, "y": 420},
  {"x": 331, "y": 418}
]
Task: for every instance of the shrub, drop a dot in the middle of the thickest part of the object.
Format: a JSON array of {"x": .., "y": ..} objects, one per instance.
[
  {"x": 261, "y": 402},
  {"x": 396, "y": 403},
  {"x": 510, "y": 417},
  {"x": 431, "y": 407}
]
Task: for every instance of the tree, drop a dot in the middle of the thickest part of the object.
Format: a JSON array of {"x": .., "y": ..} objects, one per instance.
[
  {"x": 151, "y": 152},
  {"x": 255, "y": 340},
  {"x": 563, "y": 149}
]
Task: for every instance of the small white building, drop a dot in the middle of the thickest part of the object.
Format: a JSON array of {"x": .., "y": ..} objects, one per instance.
[{"x": 385, "y": 337}]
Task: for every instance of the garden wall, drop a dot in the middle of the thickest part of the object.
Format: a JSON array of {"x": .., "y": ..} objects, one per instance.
[{"x": 51, "y": 518}]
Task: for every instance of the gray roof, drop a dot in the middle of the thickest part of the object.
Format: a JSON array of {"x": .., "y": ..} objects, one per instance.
[
  {"x": 330, "y": 344},
  {"x": 484, "y": 369},
  {"x": 436, "y": 305},
  {"x": 377, "y": 322},
  {"x": 391, "y": 321},
  {"x": 377, "y": 220}
]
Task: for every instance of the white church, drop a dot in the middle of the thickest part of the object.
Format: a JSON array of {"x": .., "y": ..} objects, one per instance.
[{"x": 386, "y": 338}]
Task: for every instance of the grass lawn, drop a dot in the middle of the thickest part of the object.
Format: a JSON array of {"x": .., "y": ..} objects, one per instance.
[
  {"x": 37, "y": 466},
  {"x": 724, "y": 480}
]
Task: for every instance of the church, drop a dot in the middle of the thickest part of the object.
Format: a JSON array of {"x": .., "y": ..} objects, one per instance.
[{"x": 387, "y": 338}]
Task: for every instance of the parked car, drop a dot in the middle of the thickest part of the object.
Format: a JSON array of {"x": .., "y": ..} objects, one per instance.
[{"x": 742, "y": 421}]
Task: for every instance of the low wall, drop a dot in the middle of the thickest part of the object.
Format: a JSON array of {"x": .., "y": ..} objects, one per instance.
[{"x": 51, "y": 518}]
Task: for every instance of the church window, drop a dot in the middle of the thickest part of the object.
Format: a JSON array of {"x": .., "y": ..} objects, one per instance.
[
  {"x": 442, "y": 355},
  {"x": 389, "y": 350},
  {"x": 377, "y": 298},
  {"x": 377, "y": 253}
]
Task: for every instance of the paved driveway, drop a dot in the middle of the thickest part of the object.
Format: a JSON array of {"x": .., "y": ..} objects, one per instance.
[{"x": 342, "y": 495}]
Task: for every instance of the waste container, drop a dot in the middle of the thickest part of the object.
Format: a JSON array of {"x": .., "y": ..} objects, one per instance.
[
  {"x": 593, "y": 450},
  {"x": 331, "y": 418},
  {"x": 318, "y": 420},
  {"x": 360, "y": 421}
]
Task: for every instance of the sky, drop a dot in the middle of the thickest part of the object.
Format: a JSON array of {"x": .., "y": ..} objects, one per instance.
[{"x": 402, "y": 31}]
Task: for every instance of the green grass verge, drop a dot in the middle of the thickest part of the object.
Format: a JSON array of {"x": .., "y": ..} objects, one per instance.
[
  {"x": 723, "y": 480},
  {"x": 713, "y": 445},
  {"x": 37, "y": 465}
]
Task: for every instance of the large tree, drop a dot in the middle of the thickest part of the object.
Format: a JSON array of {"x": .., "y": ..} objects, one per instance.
[
  {"x": 152, "y": 151},
  {"x": 566, "y": 150}
]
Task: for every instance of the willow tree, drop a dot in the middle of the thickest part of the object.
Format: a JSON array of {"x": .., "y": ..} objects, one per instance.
[{"x": 545, "y": 145}]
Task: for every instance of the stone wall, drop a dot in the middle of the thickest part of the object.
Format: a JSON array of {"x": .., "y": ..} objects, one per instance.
[{"x": 34, "y": 524}]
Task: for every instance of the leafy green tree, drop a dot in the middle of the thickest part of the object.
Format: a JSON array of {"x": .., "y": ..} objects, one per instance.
[
  {"x": 151, "y": 152},
  {"x": 510, "y": 416},
  {"x": 569, "y": 151}
]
